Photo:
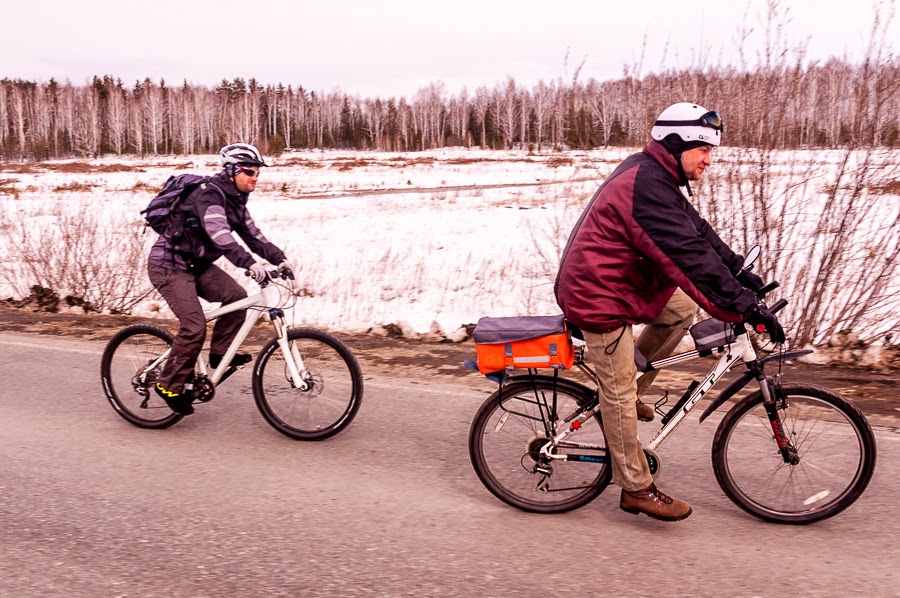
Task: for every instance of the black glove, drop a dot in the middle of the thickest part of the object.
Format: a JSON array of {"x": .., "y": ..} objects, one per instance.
[
  {"x": 763, "y": 321},
  {"x": 749, "y": 280},
  {"x": 287, "y": 269}
]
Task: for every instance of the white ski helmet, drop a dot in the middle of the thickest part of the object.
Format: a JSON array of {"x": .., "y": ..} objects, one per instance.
[
  {"x": 241, "y": 153},
  {"x": 693, "y": 124}
]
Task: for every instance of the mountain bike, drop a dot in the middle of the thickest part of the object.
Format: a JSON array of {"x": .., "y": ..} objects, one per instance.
[
  {"x": 786, "y": 453},
  {"x": 306, "y": 383}
]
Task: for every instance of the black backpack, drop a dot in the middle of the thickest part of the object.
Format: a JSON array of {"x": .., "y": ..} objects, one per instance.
[{"x": 163, "y": 215}]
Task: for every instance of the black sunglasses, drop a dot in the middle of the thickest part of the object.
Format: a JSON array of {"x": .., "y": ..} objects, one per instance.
[
  {"x": 710, "y": 119},
  {"x": 250, "y": 172}
]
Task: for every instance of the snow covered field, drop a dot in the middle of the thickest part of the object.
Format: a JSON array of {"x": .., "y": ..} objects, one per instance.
[{"x": 432, "y": 239}]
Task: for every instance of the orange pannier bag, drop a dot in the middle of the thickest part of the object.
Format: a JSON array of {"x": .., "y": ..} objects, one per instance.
[{"x": 523, "y": 342}]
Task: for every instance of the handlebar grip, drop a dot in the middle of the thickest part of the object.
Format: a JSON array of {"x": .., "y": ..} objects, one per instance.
[
  {"x": 778, "y": 306},
  {"x": 767, "y": 288}
]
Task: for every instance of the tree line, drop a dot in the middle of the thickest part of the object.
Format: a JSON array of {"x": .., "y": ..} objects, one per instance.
[{"x": 780, "y": 103}]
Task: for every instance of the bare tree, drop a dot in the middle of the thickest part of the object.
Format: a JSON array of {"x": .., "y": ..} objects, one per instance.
[{"x": 118, "y": 118}]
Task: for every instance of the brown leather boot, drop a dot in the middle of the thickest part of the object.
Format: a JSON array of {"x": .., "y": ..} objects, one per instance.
[
  {"x": 652, "y": 502},
  {"x": 644, "y": 412}
]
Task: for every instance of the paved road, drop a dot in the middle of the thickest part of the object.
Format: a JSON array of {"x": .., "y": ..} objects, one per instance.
[{"x": 222, "y": 505}]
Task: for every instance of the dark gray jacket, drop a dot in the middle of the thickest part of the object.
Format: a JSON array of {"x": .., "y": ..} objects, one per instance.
[{"x": 214, "y": 213}]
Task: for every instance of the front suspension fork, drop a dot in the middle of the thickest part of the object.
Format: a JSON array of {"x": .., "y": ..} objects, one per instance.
[
  {"x": 291, "y": 354},
  {"x": 773, "y": 398}
]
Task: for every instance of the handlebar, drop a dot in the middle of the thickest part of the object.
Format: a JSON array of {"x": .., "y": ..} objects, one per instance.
[
  {"x": 272, "y": 275},
  {"x": 778, "y": 306},
  {"x": 276, "y": 273},
  {"x": 767, "y": 289}
]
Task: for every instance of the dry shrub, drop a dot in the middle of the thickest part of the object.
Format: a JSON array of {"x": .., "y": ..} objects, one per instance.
[{"x": 78, "y": 253}]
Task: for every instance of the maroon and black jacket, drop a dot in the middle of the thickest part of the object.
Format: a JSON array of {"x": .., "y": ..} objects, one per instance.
[{"x": 636, "y": 242}]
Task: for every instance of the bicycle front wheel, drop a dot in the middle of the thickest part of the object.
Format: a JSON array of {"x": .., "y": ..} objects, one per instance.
[
  {"x": 129, "y": 369},
  {"x": 507, "y": 437},
  {"x": 334, "y": 379},
  {"x": 833, "y": 450}
]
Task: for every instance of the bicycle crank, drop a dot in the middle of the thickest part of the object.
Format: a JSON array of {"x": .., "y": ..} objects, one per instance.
[
  {"x": 654, "y": 462},
  {"x": 203, "y": 390}
]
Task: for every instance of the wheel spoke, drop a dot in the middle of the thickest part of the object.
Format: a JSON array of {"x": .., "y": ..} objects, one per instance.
[
  {"x": 132, "y": 354},
  {"x": 508, "y": 457},
  {"x": 833, "y": 443},
  {"x": 334, "y": 386}
]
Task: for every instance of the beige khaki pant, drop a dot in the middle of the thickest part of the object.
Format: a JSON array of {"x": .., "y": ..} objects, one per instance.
[{"x": 612, "y": 356}]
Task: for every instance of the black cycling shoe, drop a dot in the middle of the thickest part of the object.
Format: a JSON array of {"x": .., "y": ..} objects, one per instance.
[
  {"x": 179, "y": 402},
  {"x": 237, "y": 361}
]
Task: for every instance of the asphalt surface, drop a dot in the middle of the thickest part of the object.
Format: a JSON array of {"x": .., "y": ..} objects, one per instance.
[{"x": 222, "y": 505}]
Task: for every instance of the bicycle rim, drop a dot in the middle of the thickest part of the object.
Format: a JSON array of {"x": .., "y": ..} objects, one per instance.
[
  {"x": 834, "y": 443},
  {"x": 335, "y": 386},
  {"x": 504, "y": 443},
  {"x": 125, "y": 360}
]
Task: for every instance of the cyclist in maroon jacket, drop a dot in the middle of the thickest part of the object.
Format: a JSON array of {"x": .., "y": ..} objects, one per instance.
[{"x": 641, "y": 254}]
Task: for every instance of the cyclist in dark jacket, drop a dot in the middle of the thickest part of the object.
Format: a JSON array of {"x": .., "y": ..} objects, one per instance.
[
  {"x": 215, "y": 213},
  {"x": 641, "y": 254}
]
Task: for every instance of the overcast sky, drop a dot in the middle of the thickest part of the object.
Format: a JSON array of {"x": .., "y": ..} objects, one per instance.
[{"x": 392, "y": 48}]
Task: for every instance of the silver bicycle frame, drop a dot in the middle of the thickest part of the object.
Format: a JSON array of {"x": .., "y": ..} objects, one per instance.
[
  {"x": 738, "y": 351},
  {"x": 255, "y": 305}
]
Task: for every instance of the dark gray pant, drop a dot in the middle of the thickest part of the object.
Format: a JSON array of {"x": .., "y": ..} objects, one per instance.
[{"x": 182, "y": 291}]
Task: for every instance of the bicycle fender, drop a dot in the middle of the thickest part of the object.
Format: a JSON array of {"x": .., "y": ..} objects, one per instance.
[
  {"x": 742, "y": 380},
  {"x": 786, "y": 355},
  {"x": 727, "y": 392}
]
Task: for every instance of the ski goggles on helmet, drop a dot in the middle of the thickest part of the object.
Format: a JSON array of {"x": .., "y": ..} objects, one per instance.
[{"x": 711, "y": 119}]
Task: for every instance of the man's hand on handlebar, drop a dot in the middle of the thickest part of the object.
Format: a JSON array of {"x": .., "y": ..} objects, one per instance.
[
  {"x": 762, "y": 320},
  {"x": 749, "y": 280},
  {"x": 287, "y": 270},
  {"x": 258, "y": 273}
]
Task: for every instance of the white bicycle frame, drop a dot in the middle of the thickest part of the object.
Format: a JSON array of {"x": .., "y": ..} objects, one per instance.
[
  {"x": 739, "y": 350},
  {"x": 266, "y": 300}
]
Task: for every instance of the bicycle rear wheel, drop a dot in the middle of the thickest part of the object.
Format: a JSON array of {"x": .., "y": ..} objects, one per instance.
[
  {"x": 335, "y": 386},
  {"x": 127, "y": 381},
  {"x": 511, "y": 428},
  {"x": 834, "y": 445}
]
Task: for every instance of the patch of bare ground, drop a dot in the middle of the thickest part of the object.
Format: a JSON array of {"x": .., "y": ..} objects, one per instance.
[
  {"x": 86, "y": 167},
  {"x": 300, "y": 162},
  {"x": 73, "y": 187},
  {"x": 345, "y": 165},
  {"x": 8, "y": 187},
  {"x": 874, "y": 392},
  {"x": 892, "y": 188},
  {"x": 558, "y": 161},
  {"x": 142, "y": 187}
]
